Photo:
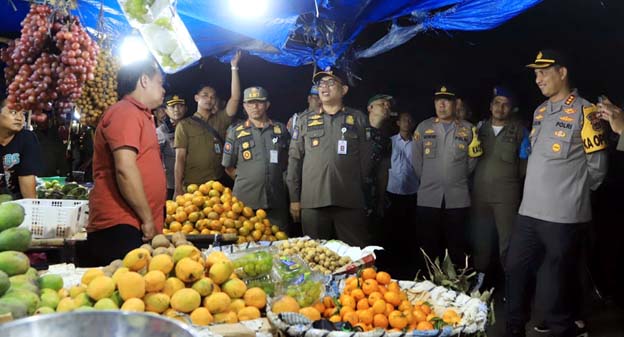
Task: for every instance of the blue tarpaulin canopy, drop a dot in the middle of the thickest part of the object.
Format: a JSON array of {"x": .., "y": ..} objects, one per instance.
[{"x": 298, "y": 32}]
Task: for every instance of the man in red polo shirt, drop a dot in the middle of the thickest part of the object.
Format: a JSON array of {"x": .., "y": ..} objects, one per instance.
[{"x": 127, "y": 201}]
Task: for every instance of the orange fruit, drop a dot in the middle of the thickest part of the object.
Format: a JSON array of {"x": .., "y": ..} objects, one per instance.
[
  {"x": 328, "y": 302},
  {"x": 389, "y": 309},
  {"x": 329, "y": 312},
  {"x": 345, "y": 310},
  {"x": 175, "y": 226},
  {"x": 357, "y": 294},
  {"x": 261, "y": 214},
  {"x": 192, "y": 188},
  {"x": 382, "y": 289},
  {"x": 198, "y": 201},
  {"x": 351, "y": 317},
  {"x": 171, "y": 207},
  {"x": 426, "y": 309},
  {"x": 319, "y": 306},
  {"x": 424, "y": 325},
  {"x": 379, "y": 307},
  {"x": 383, "y": 278},
  {"x": 419, "y": 315},
  {"x": 380, "y": 321},
  {"x": 365, "y": 316},
  {"x": 409, "y": 316},
  {"x": 369, "y": 286},
  {"x": 205, "y": 231},
  {"x": 374, "y": 296},
  {"x": 405, "y": 305},
  {"x": 392, "y": 298},
  {"x": 347, "y": 301},
  {"x": 186, "y": 229},
  {"x": 369, "y": 274},
  {"x": 236, "y": 207},
  {"x": 248, "y": 212},
  {"x": 394, "y": 287},
  {"x": 335, "y": 319},
  {"x": 397, "y": 320},
  {"x": 180, "y": 216},
  {"x": 193, "y": 217},
  {"x": 363, "y": 304}
]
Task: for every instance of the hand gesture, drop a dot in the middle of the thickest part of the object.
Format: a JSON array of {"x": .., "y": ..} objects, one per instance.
[
  {"x": 236, "y": 59},
  {"x": 613, "y": 114}
]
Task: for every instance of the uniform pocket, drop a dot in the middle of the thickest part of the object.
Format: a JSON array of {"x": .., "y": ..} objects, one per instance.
[
  {"x": 430, "y": 149},
  {"x": 558, "y": 146},
  {"x": 508, "y": 152}
]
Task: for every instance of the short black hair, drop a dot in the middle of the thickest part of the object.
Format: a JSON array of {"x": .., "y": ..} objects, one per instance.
[
  {"x": 128, "y": 75},
  {"x": 205, "y": 85}
]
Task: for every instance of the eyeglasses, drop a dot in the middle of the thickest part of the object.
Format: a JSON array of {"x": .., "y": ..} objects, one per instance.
[
  {"x": 327, "y": 83},
  {"x": 251, "y": 103}
]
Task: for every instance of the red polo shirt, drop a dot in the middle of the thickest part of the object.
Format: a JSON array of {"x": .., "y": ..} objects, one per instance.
[{"x": 126, "y": 123}]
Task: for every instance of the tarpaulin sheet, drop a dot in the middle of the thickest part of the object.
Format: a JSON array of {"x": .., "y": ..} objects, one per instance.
[{"x": 297, "y": 32}]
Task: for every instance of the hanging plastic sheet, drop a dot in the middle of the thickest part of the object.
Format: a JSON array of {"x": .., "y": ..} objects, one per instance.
[{"x": 298, "y": 32}]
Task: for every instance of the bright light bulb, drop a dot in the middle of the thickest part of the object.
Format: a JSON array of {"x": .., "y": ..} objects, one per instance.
[
  {"x": 248, "y": 8},
  {"x": 132, "y": 49}
]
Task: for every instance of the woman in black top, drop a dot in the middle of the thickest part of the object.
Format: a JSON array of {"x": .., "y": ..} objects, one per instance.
[{"x": 20, "y": 154}]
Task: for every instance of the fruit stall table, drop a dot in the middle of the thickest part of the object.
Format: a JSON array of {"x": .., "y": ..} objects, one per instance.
[{"x": 56, "y": 250}]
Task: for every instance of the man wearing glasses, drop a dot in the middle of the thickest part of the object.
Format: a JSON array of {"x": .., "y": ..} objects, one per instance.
[{"x": 329, "y": 157}]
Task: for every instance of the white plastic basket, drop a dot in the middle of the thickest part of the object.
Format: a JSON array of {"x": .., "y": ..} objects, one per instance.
[{"x": 54, "y": 218}]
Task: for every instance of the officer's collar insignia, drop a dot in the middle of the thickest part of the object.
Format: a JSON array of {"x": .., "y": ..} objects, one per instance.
[
  {"x": 277, "y": 130},
  {"x": 317, "y": 116},
  {"x": 240, "y": 127},
  {"x": 570, "y": 100},
  {"x": 350, "y": 120},
  {"x": 542, "y": 109},
  {"x": 539, "y": 117},
  {"x": 437, "y": 120}
]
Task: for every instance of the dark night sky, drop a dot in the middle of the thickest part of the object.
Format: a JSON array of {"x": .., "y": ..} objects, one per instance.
[{"x": 473, "y": 62}]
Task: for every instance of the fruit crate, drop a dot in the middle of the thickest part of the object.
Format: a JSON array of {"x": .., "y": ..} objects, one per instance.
[{"x": 54, "y": 218}]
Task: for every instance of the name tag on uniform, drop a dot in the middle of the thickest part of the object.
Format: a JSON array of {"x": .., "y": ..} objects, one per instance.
[
  {"x": 273, "y": 156},
  {"x": 342, "y": 146},
  {"x": 217, "y": 148}
]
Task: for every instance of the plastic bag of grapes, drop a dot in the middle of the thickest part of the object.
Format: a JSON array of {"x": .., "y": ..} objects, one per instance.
[{"x": 253, "y": 263}]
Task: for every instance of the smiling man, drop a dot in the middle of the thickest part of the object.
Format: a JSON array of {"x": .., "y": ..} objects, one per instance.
[
  {"x": 567, "y": 161},
  {"x": 329, "y": 158}
]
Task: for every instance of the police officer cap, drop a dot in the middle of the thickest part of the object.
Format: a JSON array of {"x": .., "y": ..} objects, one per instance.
[
  {"x": 380, "y": 96},
  {"x": 173, "y": 100},
  {"x": 547, "y": 58},
  {"x": 255, "y": 94},
  {"x": 445, "y": 92},
  {"x": 336, "y": 73}
]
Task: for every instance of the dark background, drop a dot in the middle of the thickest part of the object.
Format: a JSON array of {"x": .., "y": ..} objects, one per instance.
[{"x": 588, "y": 31}]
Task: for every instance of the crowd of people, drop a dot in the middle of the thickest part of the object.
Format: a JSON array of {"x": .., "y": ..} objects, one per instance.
[{"x": 514, "y": 199}]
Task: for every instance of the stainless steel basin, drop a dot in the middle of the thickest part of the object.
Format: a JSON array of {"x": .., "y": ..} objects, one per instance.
[{"x": 95, "y": 324}]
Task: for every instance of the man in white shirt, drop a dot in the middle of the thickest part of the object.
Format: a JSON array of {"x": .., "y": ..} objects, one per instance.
[{"x": 401, "y": 194}]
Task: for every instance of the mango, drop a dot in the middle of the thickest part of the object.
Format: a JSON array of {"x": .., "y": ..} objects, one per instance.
[
  {"x": 136, "y": 259},
  {"x": 4, "y": 282},
  {"x": 12, "y": 262},
  {"x": 11, "y": 215},
  {"x": 101, "y": 287},
  {"x": 49, "y": 299},
  {"x": 156, "y": 302},
  {"x": 186, "y": 251},
  {"x": 204, "y": 286},
  {"x": 220, "y": 271},
  {"x": 44, "y": 311},
  {"x": 65, "y": 305},
  {"x": 185, "y": 300},
  {"x": 16, "y": 238},
  {"x": 161, "y": 262},
  {"x": 234, "y": 288},
  {"x": 133, "y": 304},
  {"x": 188, "y": 270},
  {"x": 131, "y": 284},
  {"x": 172, "y": 285},
  {"x": 90, "y": 274},
  {"x": 154, "y": 281},
  {"x": 27, "y": 297},
  {"x": 51, "y": 281},
  {"x": 17, "y": 308},
  {"x": 105, "y": 304}
]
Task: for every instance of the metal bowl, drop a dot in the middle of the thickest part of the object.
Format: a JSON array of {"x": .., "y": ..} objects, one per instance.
[{"x": 95, "y": 324}]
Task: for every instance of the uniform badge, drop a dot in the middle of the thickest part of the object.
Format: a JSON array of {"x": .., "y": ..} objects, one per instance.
[
  {"x": 570, "y": 100},
  {"x": 461, "y": 146},
  {"x": 428, "y": 143},
  {"x": 245, "y": 145},
  {"x": 416, "y": 136},
  {"x": 240, "y": 127},
  {"x": 350, "y": 120},
  {"x": 315, "y": 142},
  {"x": 243, "y": 134},
  {"x": 227, "y": 148},
  {"x": 560, "y": 133},
  {"x": 569, "y": 111},
  {"x": 429, "y": 131},
  {"x": 566, "y": 119},
  {"x": 315, "y": 123},
  {"x": 247, "y": 155},
  {"x": 539, "y": 117},
  {"x": 556, "y": 147},
  {"x": 542, "y": 109},
  {"x": 277, "y": 130},
  {"x": 317, "y": 116},
  {"x": 427, "y": 151}
]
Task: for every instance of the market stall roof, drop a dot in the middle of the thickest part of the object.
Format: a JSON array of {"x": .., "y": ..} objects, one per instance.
[{"x": 297, "y": 32}]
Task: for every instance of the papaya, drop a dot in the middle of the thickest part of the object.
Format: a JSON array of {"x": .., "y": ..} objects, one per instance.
[
  {"x": 14, "y": 263},
  {"x": 11, "y": 215},
  {"x": 15, "y": 238}
]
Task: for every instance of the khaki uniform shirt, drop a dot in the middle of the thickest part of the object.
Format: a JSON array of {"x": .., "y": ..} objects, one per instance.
[
  {"x": 499, "y": 172},
  {"x": 260, "y": 157},
  {"x": 441, "y": 161},
  {"x": 560, "y": 174},
  {"x": 203, "y": 150},
  {"x": 318, "y": 175}
]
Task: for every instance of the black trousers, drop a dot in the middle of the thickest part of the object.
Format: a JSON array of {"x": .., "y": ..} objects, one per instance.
[
  {"x": 537, "y": 244},
  {"x": 441, "y": 228},
  {"x": 398, "y": 233},
  {"x": 113, "y": 243},
  {"x": 349, "y": 225}
]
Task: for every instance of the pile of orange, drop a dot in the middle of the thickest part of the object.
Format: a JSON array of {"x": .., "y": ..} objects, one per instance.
[
  {"x": 211, "y": 208},
  {"x": 374, "y": 301}
]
